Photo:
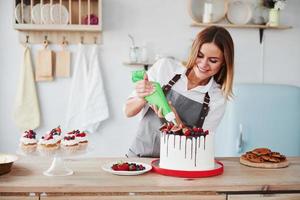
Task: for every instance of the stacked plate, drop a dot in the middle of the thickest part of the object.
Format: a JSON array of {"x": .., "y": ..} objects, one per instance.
[
  {"x": 196, "y": 10},
  {"x": 26, "y": 13},
  {"x": 239, "y": 12},
  {"x": 43, "y": 14}
]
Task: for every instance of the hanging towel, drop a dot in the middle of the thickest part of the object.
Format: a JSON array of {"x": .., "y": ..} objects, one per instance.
[
  {"x": 78, "y": 91},
  {"x": 95, "y": 107},
  {"x": 26, "y": 111}
]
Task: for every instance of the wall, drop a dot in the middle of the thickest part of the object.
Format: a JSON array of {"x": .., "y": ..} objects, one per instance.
[{"x": 165, "y": 27}]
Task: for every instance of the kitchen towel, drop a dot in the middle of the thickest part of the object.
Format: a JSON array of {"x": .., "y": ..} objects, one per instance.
[
  {"x": 78, "y": 91},
  {"x": 26, "y": 111},
  {"x": 95, "y": 107}
]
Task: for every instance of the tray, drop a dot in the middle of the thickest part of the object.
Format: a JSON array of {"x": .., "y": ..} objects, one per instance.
[
  {"x": 267, "y": 165},
  {"x": 218, "y": 170}
]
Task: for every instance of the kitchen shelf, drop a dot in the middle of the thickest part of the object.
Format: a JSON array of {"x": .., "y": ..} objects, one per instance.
[
  {"x": 79, "y": 27},
  {"x": 145, "y": 65},
  {"x": 253, "y": 26}
]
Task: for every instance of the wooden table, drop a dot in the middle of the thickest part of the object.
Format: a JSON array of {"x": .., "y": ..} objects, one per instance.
[{"x": 26, "y": 181}]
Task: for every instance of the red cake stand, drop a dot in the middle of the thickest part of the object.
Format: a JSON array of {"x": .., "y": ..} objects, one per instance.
[{"x": 218, "y": 170}]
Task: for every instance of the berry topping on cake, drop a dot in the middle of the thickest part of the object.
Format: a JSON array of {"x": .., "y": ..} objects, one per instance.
[
  {"x": 170, "y": 128},
  {"x": 125, "y": 166},
  {"x": 69, "y": 137},
  {"x": 56, "y": 131},
  {"x": 48, "y": 137},
  {"x": 29, "y": 134}
]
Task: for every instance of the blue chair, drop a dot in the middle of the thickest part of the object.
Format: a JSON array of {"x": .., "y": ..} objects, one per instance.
[{"x": 260, "y": 115}]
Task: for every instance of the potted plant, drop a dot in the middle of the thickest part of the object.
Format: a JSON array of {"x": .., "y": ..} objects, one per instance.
[{"x": 275, "y": 6}]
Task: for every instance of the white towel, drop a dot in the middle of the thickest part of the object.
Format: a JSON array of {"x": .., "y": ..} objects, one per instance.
[
  {"x": 26, "y": 111},
  {"x": 78, "y": 91},
  {"x": 95, "y": 107}
]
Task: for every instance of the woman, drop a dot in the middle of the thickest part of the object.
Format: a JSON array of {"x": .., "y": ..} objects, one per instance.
[{"x": 198, "y": 93}]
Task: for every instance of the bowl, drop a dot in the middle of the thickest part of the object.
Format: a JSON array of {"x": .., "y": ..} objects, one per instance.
[{"x": 6, "y": 162}]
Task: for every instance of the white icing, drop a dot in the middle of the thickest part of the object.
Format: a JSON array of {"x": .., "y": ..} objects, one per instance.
[
  {"x": 57, "y": 137},
  {"x": 28, "y": 140},
  {"x": 69, "y": 142},
  {"x": 46, "y": 142},
  {"x": 186, "y": 154},
  {"x": 81, "y": 139}
]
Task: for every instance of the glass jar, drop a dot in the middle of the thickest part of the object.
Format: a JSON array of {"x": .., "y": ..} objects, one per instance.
[
  {"x": 273, "y": 17},
  {"x": 134, "y": 54}
]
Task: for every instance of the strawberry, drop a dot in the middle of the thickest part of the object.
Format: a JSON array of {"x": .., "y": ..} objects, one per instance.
[
  {"x": 195, "y": 129},
  {"x": 115, "y": 167},
  {"x": 48, "y": 137},
  {"x": 58, "y": 129},
  {"x": 123, "y": 167},
  {"x": 186, "y": 131}
]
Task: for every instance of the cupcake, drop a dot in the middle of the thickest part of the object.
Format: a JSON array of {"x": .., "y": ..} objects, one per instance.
[
  {"x": 56, "y": 133},
  {"x": 82, "y": 139},
  {"x": 28, "y": 142},
  {"x": 48, "y": 145},
  {"x": 70, "y": 144}
]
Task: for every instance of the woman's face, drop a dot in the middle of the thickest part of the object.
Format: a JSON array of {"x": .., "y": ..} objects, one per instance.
[{"x": 209, "y": 61}]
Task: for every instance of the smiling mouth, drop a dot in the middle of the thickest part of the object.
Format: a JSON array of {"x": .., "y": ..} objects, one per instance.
[{"x": 201, "y": 69}]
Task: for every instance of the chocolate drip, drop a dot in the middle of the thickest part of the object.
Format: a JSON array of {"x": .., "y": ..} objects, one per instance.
[
  {"x": 199, "y": 141},
  {"x": 204, "y": 141},
  {"x": 192, "y": 141},
  {"x": 180, "y": 142},
  {"x": 174, "y": 141},
  {"x": 185, "y": 147},
  {"x": 168, "y": 145},
  {"x": 195, "y": 159}
]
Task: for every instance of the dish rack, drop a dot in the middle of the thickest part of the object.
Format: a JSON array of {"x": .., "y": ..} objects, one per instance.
[{"x": 57, "y": 21}]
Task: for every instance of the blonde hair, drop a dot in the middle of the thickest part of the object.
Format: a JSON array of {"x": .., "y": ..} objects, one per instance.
[{"x": 222, "y": 39}]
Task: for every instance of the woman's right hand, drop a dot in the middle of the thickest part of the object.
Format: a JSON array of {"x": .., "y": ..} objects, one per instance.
[{"x": 144, "y": 87}]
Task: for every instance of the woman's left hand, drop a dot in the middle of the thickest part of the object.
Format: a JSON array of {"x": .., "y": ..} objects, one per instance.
[{"x": 158, "y": 111}]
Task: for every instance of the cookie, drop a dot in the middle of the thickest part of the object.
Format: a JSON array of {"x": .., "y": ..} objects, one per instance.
[
  {"x": 275, "y": 154},
  {"x": 261, "y": 151},
  {"x": 254, "y": 158}
]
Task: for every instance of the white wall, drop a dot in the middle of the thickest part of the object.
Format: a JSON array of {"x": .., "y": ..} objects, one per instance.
[{"x": 165, "y": 26}]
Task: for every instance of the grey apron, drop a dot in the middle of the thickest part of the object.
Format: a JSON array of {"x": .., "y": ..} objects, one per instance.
[{"x": 147, "y": 141}]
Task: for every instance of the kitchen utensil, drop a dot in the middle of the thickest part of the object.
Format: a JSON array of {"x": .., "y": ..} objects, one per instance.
[{"x": 63, "y": 61}]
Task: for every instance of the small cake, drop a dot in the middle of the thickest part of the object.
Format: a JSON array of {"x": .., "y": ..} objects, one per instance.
[
  {"x": 48, "y": 145},
  {"x": 56, "y": 132},
  {"x": 186, "y": 149},
  {"x": 28, "y": 142},
  {"x": 70, "y": 144},
  {"x": 82, "y": 139}
]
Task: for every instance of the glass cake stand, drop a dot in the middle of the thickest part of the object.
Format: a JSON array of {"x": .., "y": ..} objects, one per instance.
[{"x": 58, "y": 166}]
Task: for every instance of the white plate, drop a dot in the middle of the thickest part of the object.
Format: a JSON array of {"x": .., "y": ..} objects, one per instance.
[
  {"x": 36, "y": 14},
  {"x": 196, "y": 7},
  {"x": 59, "y": 14},
  {"x": 45, "y": 14},
  {"x": 26, "y": 13},
  {"x": 239, "y": 12},
  {"x": 107, "y": 167}
]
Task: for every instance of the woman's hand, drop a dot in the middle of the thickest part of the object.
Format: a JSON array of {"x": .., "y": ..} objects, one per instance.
[
  {"x": 158, "y": 112},
  {"x": 144, "y": 87}
]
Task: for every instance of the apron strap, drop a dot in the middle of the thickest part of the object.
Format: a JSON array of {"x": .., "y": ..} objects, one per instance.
[
  {"x": 204, "y": 111},
  {"x": 166, "y": 88}
]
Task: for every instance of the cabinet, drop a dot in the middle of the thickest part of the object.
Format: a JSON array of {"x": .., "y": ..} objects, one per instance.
[
  {"x": 89, "y": 182},
  {"x": 144, "y": 197},
  {"x": 265, "y": 197},
  {"x": 73, "y": 20}
]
